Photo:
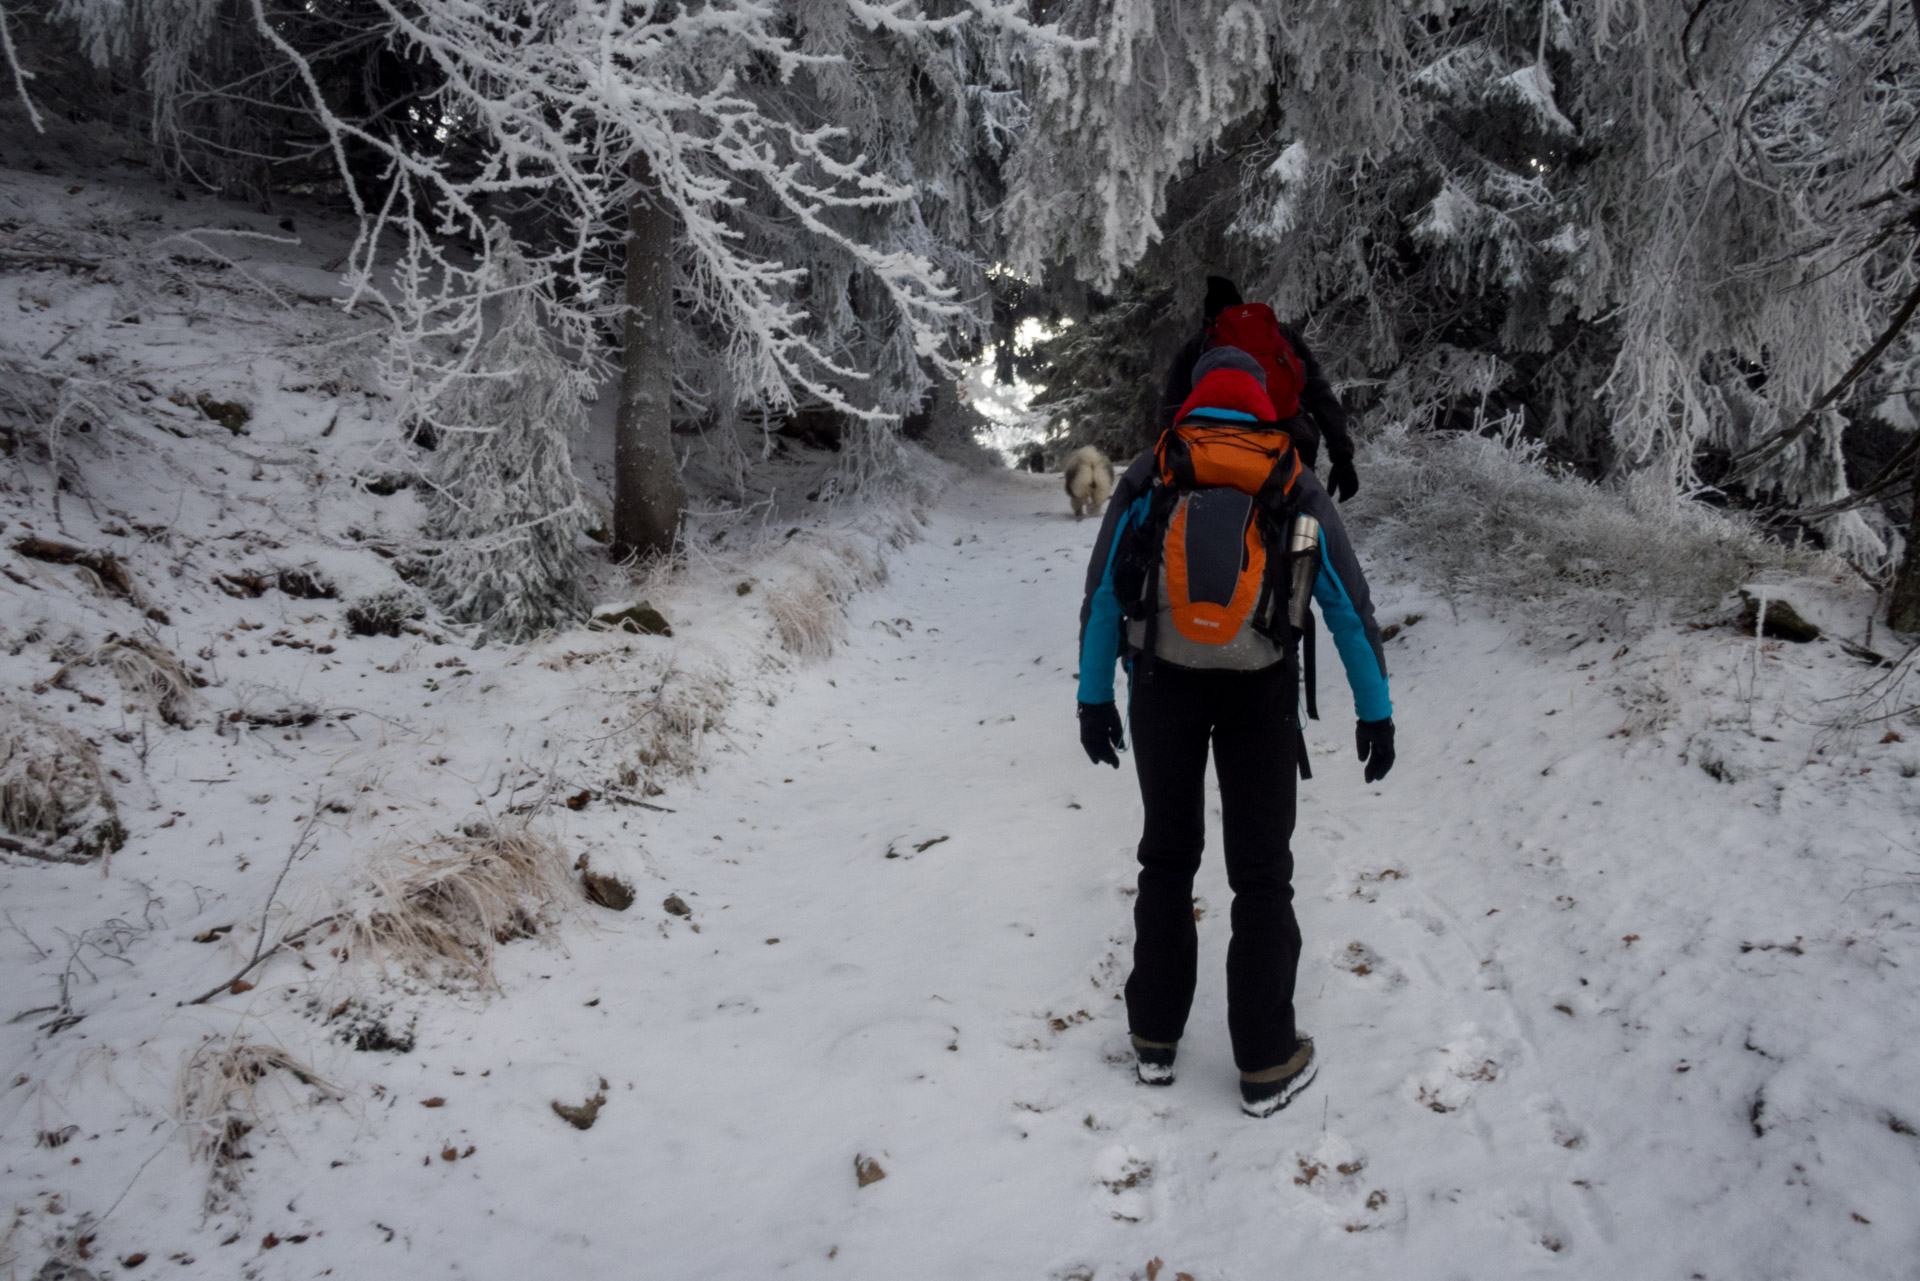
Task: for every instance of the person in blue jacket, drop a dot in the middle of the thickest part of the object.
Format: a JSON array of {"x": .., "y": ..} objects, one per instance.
[{"x": 1245, "y": 708}]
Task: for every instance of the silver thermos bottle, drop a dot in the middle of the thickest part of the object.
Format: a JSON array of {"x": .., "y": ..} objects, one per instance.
[{"x": 1303, "y": 547}]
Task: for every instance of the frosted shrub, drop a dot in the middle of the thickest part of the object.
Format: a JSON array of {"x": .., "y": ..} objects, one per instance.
[
  {"x": 218, "y": 1101},
  {"x": 439, "y": 909},
  {"x": 1485, "y": 514},
  {"x": 504, "y": 506},
  {"x": 52, "y": 792}
]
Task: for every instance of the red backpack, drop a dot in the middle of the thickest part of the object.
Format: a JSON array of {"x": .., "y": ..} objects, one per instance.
[{"x": 1254, "y": 329}]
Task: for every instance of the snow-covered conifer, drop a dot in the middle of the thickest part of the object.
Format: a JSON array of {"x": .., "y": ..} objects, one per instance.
[
  {"x": 1665, "y": 234},
  {"x": 503, "y": 508}
]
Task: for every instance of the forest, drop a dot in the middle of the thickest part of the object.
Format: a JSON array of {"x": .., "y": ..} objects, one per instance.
[
  {"x": 1672, "y": 242},
  {"x": 489, "y": 486}
]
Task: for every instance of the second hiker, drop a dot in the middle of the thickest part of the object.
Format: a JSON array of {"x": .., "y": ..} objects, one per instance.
[{"x": 1226, "y": 321}]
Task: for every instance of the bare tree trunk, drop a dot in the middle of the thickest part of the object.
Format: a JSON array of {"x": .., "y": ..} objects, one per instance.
[
  {"x": 1903, "y": 610},
  {"x": 647, "y": 494}
]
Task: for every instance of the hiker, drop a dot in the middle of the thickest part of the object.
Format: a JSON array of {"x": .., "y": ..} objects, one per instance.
[
  {"x": 1230, "y": 322},
  {"x": 1195, "y": 583}
]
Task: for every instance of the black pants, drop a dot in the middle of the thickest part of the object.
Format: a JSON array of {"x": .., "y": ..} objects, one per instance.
[{"x": 1249, "y": 718}]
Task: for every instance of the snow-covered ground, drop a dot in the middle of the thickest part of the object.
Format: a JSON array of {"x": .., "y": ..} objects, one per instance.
[
  {"x": 1583, "y": 1008},
  {"x": 1614, "y": 975}
]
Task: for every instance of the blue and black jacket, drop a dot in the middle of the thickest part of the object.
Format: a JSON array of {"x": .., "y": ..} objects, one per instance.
[{"x": 1340, "y": 591}]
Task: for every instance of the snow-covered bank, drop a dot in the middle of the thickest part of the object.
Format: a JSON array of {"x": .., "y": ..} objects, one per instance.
[
  {"x": 255, "y": 738},
  {"x": 1584, "y": 1007}
]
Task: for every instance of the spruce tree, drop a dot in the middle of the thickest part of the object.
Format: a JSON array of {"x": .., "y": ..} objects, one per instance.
[{"x": 504, "y": 506}]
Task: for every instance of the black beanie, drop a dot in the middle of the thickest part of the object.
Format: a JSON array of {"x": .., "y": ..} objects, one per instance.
[{"x": 1221, "y": 294}]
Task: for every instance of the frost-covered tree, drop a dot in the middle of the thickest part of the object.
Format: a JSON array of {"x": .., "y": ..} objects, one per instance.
[
  {"x": 1669, "y": 235},
  {"x": 225, "y": 110},
  {"x": 799, "y": 188},
  {"x": 756, "y": 140},
  {"x": 504, "y": 510}
]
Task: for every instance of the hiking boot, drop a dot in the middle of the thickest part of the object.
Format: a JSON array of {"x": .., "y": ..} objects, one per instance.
[
  {"x": 1153, "y": 1061},
  {"x": 1266, "y": 1092}
]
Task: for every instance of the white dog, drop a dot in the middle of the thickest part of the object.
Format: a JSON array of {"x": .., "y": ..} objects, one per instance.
[{"x": 1089, "y": 477}]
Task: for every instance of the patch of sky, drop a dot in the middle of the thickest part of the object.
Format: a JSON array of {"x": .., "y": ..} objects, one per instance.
[{"x": 1013, "y": 428}]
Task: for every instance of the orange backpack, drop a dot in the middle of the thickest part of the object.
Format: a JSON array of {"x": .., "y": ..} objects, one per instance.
[
  {"x": 1257, "y": 459},
  {"x": 1222, "y": 502},
  {"x": 1220, "y": 521}
]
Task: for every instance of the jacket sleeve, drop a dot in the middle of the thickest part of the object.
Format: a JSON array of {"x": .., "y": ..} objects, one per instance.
[
  {"x": 1347, "y": 606},
  {"x": 1318, "y": 399},
  {"x": 1133, "y": 482},
  {"x": 1102, "y": 621}
]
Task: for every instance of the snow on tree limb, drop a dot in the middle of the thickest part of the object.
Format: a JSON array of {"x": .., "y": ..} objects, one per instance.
[
  {"x": 20, "y": 74},
  {"x": 565, "y": 96}
]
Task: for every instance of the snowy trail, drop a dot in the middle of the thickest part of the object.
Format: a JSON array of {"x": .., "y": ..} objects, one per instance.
[{"x": 1582, "y": 1010}]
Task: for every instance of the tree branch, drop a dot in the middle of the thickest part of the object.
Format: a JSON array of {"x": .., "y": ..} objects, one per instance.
[
  {"x": 1747, "y": 463},
  {"x": 260, "y": 949},
  {"x": 1884, "y": 480}
]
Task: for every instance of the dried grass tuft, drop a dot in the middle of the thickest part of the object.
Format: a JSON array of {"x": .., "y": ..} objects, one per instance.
[
  {"x": 154, "y": 678},
  {"x": 53, "y": 795},
  {"x": 438, "y": 909},
  {"x": 671, "y": 724},
  {"x": 810, "y": 622},
  {"x": 810, "y": 609},
  {"x": 218, "y": 1103}
]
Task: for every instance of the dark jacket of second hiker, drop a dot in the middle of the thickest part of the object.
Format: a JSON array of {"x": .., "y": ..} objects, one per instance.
[{"x": 1316, "y": 398}]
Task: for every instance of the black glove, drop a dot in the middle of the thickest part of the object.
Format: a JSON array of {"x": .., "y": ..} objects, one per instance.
[
  {"x": 1344, "y": 484},
  {"x": 1375, "y": 741},
  {"x": 1100, "y": 733}
]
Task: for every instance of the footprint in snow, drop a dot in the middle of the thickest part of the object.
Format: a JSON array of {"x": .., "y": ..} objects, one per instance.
[
  {"x": 1535, "y": 1222},
  {"x": 1553, "y": 1119},
  {"x": 1424, "y": 919},
  {"x": 1123, "y": 1179},
  {"x": 1367, "y": 965},
  {"x": 1332, "y": 1178},
  {"x": 1454, "y": 1073},
  {"x": 1366, "y": 884}
]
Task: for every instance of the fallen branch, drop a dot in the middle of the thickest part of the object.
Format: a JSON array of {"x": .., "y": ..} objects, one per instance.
[
  {"x": 261, "y": 952},
  {"x": 49, "y": 260},
  {"x": 28, "y": 850},
  {"x": 618, "y": 799}
]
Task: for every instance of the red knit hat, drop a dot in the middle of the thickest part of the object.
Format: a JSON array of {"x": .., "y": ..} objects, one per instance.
[{"x": 1230, "y": 389}]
